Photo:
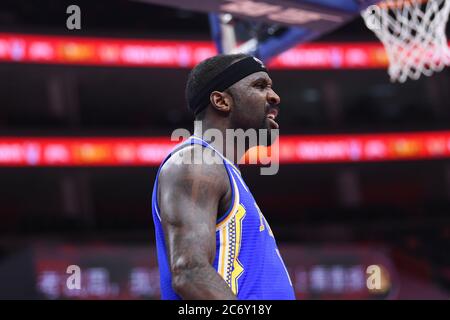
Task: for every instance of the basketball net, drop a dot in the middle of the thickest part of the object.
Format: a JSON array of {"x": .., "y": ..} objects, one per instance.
[{"x": 413, "y": 34}]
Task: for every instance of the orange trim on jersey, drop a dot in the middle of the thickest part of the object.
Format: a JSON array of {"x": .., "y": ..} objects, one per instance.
[
  {"x": 238, "y": 269},
  {"x": 222, "y": 253}
]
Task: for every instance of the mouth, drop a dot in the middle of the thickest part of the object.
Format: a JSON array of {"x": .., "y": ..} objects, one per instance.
[{"x": 271, "y": 116}]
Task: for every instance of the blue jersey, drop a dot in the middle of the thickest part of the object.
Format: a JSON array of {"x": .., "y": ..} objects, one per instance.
[{"x": 247, "y": 257}]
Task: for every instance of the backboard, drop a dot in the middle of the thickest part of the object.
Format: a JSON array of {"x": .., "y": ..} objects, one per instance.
[{"x": 266, "y": 28}]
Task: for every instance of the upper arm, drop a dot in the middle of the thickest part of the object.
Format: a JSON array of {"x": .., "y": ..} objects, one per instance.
[{"x": 189, "y": 196}]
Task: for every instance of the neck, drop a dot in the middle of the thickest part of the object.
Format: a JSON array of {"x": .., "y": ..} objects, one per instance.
[{"x": 221, "y": 144}]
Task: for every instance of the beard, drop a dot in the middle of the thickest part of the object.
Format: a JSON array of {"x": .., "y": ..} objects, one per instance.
[
  {"x": 267, "y": 133},
  {"x": 266, "y": 129}
]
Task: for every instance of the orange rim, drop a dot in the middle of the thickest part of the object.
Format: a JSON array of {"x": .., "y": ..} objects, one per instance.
[{"x": 396, "y": 4}]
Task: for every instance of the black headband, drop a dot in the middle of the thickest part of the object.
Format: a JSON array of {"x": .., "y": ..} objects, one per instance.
[{"x": 224, "y": 80}]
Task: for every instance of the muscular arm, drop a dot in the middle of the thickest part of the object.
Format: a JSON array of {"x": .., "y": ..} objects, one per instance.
[{"x": 189, "y": 196}]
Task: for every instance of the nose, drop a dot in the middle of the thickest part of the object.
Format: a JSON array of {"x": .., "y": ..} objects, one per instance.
[{"x": 273, "y": 98}]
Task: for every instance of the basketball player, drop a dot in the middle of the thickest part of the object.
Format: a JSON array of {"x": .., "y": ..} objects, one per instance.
[{"x": 212, "y": 240}]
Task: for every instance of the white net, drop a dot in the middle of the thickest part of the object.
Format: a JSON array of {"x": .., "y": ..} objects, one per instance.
[{"x": 413, "y": 34}]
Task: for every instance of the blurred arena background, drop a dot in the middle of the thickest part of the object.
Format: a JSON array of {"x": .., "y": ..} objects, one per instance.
[{"x": 86, "y": 116}]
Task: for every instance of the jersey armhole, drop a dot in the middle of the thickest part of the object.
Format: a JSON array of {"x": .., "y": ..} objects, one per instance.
[
  {"x": 233, "y": 186},
  {"x": 234, "y": 199}
]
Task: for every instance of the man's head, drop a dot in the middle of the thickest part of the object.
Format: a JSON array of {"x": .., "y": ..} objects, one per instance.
[{"x": 249, "y": 101}]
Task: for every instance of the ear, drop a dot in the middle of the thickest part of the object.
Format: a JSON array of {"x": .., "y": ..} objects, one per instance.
[{"x": 221, "y": 101}]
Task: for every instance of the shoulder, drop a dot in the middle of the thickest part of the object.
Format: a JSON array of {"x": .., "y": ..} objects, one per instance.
[{"x": 195, "y": 164}]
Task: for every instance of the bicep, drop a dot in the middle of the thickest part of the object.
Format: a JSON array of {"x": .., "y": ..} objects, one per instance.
[{"x": 188, "y": 204}]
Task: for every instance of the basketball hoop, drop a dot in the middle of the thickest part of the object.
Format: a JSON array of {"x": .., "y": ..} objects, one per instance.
[{"x": 413, "y": 34}]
